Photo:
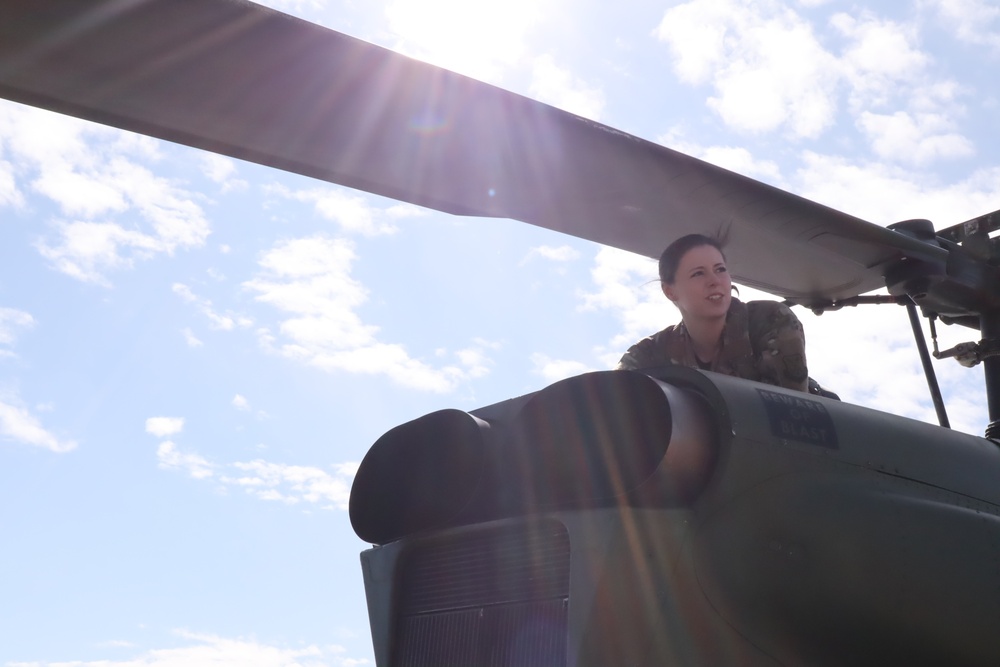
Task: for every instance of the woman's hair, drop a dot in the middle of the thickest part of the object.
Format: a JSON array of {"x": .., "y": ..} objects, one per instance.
[{"x": 671, "y": 257}]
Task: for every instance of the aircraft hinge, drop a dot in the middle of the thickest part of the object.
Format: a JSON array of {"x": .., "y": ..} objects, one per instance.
[{"x": 970, "y": 354}]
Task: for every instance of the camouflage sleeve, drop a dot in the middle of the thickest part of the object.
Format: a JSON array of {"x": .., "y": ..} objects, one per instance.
[
  {"x": 780, "y": 341},
  {"x": 638, "y": 357},
  {"x": 628, "y": 362}
]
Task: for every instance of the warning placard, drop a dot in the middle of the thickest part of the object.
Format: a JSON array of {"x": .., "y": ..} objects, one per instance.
[{"x": 798, "y": 418}]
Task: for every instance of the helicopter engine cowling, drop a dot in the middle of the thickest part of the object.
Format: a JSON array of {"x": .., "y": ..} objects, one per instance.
[
  {"x": 772, "y": 528},
  {"x": 598, "y": 439}
]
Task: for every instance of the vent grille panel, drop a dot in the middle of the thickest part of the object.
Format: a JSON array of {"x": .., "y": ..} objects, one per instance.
[
  {"x": 440, "y": 640},
  {"x": 497, "y": 598}
]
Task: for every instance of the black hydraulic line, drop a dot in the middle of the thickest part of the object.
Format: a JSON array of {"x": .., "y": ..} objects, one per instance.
[
  {"x": 990, "y": 330},
  {"x": 925, "y": 359}
]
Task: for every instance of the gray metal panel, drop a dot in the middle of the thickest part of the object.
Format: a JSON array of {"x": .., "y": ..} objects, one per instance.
[{"x": 869, "y": 439}]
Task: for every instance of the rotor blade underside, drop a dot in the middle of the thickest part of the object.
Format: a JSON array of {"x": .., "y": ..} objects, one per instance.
[{"x": 235, "y": 78}]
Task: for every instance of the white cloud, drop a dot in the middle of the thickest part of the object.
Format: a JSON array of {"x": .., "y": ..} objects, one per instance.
[
  {"x": 352, "y": 212},
  {"x": 241, "y": 403},
  {"x": 222, "y": 170},
  {"x": 917, "y": 139},
  {"x": 161, "y": 427},
  {"x": 963, "y": 391},
  {"x": 216, "y": 321},
  {"x": 391, "y": 360},
  {"x": 290, "y": 484},
  {"x": 13, "y": 320},
  {"x": 765, "y": 63},
  {"x": 883, "y": 194},
  {"x": 475, "y": 361},
  {"x": 310, "y": 280},
  {"x": 56, "y": 145},
  {"x": 190, "y": 338},
  {"x": 86, "y": 250},
  {"x": 563, "y": 253},
  {"x": 973, "y": 21},
  {"x": 480, "y": 39},
  {"x": 94, "y": 175},
  {"x": 554, "y": 370},
  {"x": 170, "y": 458},
  {"x": 627, "y": 286},
  {"x": 10, "y": 194},
  {"x": 939, "y": 96},
  {"x": 770, "y": 71},
  {"x": 206, "y": 649},
  {"x": 556, "y": 86},
  {"x": 176, "y": 220},
  {"x": 19, "y": 425},
  {"x": 402, "y": 210},
  {"x": 81, "y": 194},
  {"x": 881, "y": 58}
]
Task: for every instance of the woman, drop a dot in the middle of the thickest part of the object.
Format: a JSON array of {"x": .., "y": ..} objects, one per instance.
[{"x": 759, "y": 340}]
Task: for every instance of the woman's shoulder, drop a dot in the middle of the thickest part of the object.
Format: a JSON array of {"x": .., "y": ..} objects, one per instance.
[
  {"x": 652, "y": 350},
  {"x": 771, "y": 320},
  {"x": 766, "y": 307},
  {"x": 766, "y": 315},
  {"x": 779, "y": 343},
  {"x": 658, "y": 340}
]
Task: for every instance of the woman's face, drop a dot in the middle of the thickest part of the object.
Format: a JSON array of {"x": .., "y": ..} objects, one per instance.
[{"x": 702, "y": 287}]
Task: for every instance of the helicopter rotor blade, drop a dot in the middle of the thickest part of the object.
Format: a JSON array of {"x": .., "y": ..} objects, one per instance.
[{"x": 242, "y": 80}]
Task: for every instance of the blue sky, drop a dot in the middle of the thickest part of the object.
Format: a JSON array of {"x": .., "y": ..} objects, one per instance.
[{"x": 195, "y": 353}]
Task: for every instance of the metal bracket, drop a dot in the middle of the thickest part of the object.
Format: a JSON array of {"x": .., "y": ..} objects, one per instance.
[
  {"x": 967, "y": 354},
  {"x": 974, "y": 235},
  {"x": 970, "y": 354},
  {"x": 823, "y": 306}
]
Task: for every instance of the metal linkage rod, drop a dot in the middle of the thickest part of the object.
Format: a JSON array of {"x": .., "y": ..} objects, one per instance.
[
  {"x": 822, "y": 306},
  {"x": 925, "y": 360},
  {"x": 990, "y": 328}
]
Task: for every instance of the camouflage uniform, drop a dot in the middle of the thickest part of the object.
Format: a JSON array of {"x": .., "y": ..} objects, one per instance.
[{"x": 762, "y": 341}]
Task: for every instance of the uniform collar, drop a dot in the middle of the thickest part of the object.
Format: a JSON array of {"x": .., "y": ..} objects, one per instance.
[{"x": 736, "y": 349}]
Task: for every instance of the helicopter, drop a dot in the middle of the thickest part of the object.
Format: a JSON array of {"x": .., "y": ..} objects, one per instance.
[{"x": 675, "y": 517}]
